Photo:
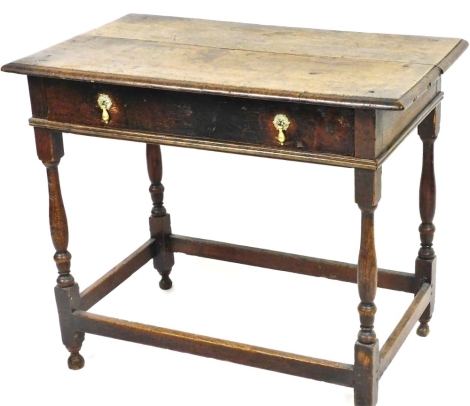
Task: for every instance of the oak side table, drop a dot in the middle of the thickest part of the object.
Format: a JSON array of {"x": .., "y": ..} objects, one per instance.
[{"x": 316, "y": 96}]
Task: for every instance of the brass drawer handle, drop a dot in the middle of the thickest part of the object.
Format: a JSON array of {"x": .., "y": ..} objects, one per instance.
[
  {"x": 281, "y": 123},
  {"x": 105, "y": 103}
]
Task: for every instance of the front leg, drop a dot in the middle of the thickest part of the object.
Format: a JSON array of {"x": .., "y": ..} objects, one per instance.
[
  {"x": 50, "y": 150},
  {"x": 366, "y": 364}
]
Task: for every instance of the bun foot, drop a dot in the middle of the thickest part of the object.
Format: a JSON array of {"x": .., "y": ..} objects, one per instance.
[
  {"x": 165, "y": 283},
  {"x": 76, "y": 361},
  {"x": 423, "y": 330}
]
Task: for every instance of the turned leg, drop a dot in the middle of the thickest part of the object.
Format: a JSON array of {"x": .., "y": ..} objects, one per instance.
[
  {"x": 425, "y": 266},
  {"x": 366, "y": 364},
  {"x": 50, "y": 150},
  {"x": 160, "y": 227}
]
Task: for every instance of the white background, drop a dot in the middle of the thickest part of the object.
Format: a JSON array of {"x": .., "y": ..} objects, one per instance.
[{"x": 293, "y": 207}]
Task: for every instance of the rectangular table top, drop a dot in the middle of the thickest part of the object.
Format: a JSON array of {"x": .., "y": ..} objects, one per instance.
[{"x": 294, "y": 64}]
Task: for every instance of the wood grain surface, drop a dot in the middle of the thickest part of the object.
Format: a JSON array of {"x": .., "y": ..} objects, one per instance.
[
  {"x": 315, "y": 66},
  {"x": 218, "y": 118}
]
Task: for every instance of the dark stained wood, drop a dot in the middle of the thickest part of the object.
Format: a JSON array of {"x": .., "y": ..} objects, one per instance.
[
  {"x": 59, "y": 229},
  {"x": 121, "y": 272},
  {"x": 312, "y": 128},
  {"x": 367, "y": 277},
  {"x": 300, "y": 264},
  {"x": 425, "y": 271},
  {"x": 366, "y": 373},
  {"x": 160, "y": 229},
  {"x": 37, "y": 96},
  {"x": 394, "y": 280},
  {"x": 393, "y": 123},
  {"x": 367, "y": 134},
  {"x": 68, "y": 300},
  {"x": 368, "y": 187},
  {"x": 388, "y": 149},
  {"x": 317, "y": 135},
  {"x": 425, "y": 268},
  {"x": 350, "y": 98},
  {"x": 49, "y": 146},
  {"x": 298, "y": 365},
  {"x": 428, "y": 131},
  {"x": 155, "y": 171},
  {"x": 318, "y": 130},
  {"x": 366, "y": 349},
  {"x": 319, "y": 71},
  {"x": 378, "y": 132},
  {"x": 50, "y": 149},
  {"x": 404, "y": 327},
  {"x": 225, "y": 146},
  {"x": 160, "y": 225}
]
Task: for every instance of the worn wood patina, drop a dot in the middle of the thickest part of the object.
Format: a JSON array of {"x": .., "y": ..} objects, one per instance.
[{"x": 328, "y": 97}]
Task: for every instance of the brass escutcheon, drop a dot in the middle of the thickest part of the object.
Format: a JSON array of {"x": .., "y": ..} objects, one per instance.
[
  {"x": 105, "y": 103},
  {"x": 281, "y": 123}
]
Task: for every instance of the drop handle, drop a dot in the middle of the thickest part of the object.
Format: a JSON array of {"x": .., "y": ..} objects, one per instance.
[
  {"x": 105, "y": 103},
  {"x": 281, "y": 123}
]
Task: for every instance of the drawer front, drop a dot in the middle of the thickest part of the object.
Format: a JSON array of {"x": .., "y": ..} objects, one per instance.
[{"x": 312, "y": 128}]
